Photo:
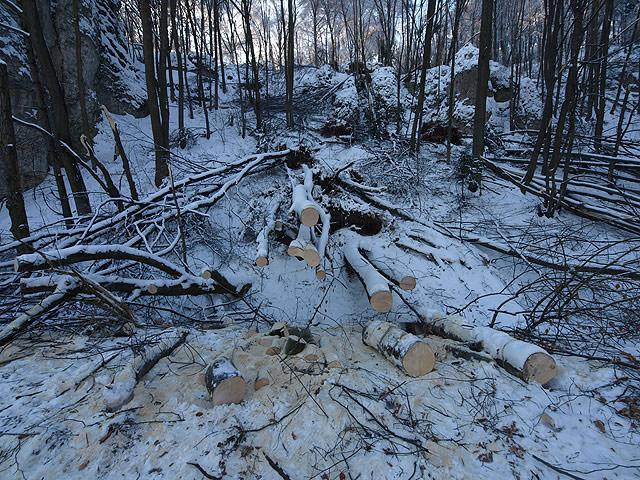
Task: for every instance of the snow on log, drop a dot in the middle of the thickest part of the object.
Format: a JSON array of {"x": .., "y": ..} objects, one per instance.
[
  {"x": 406, "y": 351},
  {"x": 321, "y": 244},
  {"x": 305, "y": 208},
  {"x": 166, "y": 287},
  {"x": 262, "y": 253},
  {"x": 527, "y": 360},
  {"x": 375, "y": 284},
  {"x": 83, "y": 253},
  {"x": 120, "y": 392},
  {"x": 64, "y": 288},
  {"x": 389, "y": 259},
  {"x": 302, "y": 247},
  {"x": 224, "y": 382}
]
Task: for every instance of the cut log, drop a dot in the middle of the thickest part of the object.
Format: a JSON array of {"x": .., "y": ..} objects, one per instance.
[
  {"x": 528, "y": 361},
  {"x": 406, "y": 351},
  {"x": 389, "y": 260},
  {"x": 224, "y": 382},
  {"x": 262, "y": 253},
  {"x": 302, "y": 247},
  {"x": 306, "y": 209},
  {"x": 375, "y": 284},
  {"x": 120, "y": 392}
]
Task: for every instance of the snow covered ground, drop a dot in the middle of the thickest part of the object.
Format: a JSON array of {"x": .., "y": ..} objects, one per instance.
[{"x": 348, "y": 413}]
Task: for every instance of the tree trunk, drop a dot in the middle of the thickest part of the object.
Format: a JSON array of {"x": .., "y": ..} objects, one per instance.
[
  {"x": 60, "y": 117},
  {"x": 160, "y": 147},
  {"x": 482, "y": 85},
  {"x": 8, "y": 157}
]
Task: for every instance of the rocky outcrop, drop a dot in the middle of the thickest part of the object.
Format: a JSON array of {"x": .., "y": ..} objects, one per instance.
[
  {"x": 112, "y": 76},
  {"x": 31, "y": 150}
]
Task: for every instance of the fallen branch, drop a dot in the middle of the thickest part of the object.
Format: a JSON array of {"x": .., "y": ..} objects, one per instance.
[
  {"x": 64, "y": 288},
  {"x": 121, "y": 391}
]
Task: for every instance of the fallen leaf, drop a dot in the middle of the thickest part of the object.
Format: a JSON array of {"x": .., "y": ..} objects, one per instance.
[
  {"x": 486, "y": 457},
  {"x": 83, "y": 465},
  {"x": 599, "y": 425},
  {"x": 517, "y": 451}
]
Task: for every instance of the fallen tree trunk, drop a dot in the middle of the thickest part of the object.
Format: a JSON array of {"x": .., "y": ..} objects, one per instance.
[
  {"x": 120, "y": 392},
  {"x": 390, "y": 260},
  {"x": 376, "y": 286},
  {"x": 526, "y": 360},
  {"x": 167, "y": 287},
  {"x": 406, "y": 351},
  {"x": 224, "y": 382},
  {"x": 303, "y": 248},
  {"x": 304, "y": 208}
]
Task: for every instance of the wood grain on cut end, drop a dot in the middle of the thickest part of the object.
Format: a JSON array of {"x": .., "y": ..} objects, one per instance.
[
  {"x": 381, "y": 301},
  {"x": 539, "y": 367},
  {"x": 311, "y": 256},
  {"x": 231, "y": 390},
  {"x": 419, "y": 360},
  {"x": 262, "y": 261},
  {"x": 408, "y": 283},
  {"x": 309, "y": 216}
]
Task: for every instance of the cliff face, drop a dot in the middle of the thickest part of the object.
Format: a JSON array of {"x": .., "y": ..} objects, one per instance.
[{"x": 112, "y": 76}]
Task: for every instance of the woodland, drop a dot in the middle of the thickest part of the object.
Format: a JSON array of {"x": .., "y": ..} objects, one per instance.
[{"x": 319, "y": 239}]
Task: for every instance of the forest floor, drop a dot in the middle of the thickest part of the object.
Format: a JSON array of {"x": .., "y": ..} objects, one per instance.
[{"x": 356, "y": 418}]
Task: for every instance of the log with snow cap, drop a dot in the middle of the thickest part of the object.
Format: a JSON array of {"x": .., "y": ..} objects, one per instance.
[
  {"x": 406, "y": 351},
  {"x": 390, "y": 261},
  {"x": 302, "y": 247},
  {"x": 306, "y": 209},
  {"x": 527, "y": 360},
  {"x": 376, "y": 285},
  {"x": 224, "y": 382}
]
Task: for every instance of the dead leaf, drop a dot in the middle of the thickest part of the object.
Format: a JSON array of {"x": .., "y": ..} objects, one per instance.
[
  {"x": 599, "y": 425},
  {"x": 517, "y": 451},
  {"x": 199, "y": 414},
  {"x": 83, "y": 465},
  {"x": 486, "y": 457}
]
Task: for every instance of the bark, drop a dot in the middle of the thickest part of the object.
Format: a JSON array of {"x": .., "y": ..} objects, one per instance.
[
  {"x": 224, "y": 383},
  {"x": 482, "y": 85},
  {"x": 160, "y": 146},
  {"x": 426, "y": 62},
  {"x": 528, "y": 361},
  {"x": 406, "y": 351},
  {"x": 9, "y": 158},
  {"x": 121, "y": 391},
  {"x": 60, "y": 117}
]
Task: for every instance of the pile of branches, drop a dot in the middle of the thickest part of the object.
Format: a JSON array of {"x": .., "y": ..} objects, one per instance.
[{"x": 113, "y": 260}]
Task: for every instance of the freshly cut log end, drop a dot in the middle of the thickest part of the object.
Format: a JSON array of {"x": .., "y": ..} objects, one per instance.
[
  {"x": 152, "y": 289},
  {"x": 206, "y": 274},
  {"x": 539, "y": 367},
  {"x": 262, "y": 261},
  {"x": 320, "y": 274},
  {"x": 408, "y": 283},
  {"x": 311, "y": 256},
  {"x": 295, "y": 250},
  {"x": 406, "y": 351},
  {"x": 419, "y": 360},
  {"x": 309, "y": 216},
  {"x": 224, "y": 383},
  {"x": 381, "y": 301}
]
